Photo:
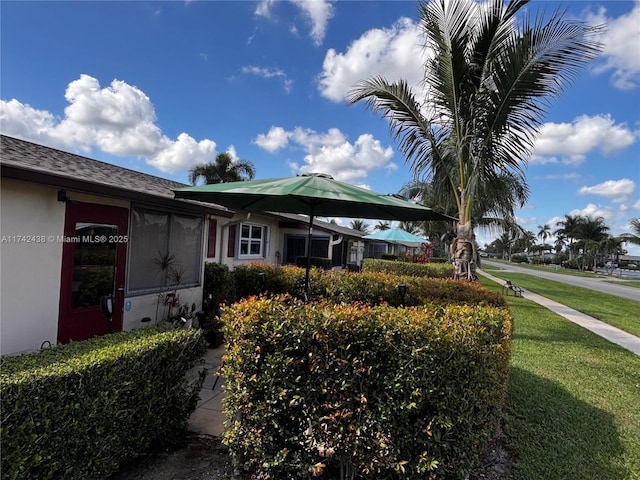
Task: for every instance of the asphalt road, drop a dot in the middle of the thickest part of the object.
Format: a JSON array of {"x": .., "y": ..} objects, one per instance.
[{"x": 597, "y": 284}]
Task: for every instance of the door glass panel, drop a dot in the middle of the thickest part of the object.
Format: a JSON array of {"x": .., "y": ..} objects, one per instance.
[
  {"x": 295, "y": 247},
  {"x": 94, "y": 263}
]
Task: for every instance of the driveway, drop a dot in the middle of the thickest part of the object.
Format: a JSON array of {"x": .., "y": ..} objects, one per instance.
[{"x": 597, "y": 284}]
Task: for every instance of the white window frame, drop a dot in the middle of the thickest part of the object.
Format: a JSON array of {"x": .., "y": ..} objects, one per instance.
[{"x": 262, "y": 242}]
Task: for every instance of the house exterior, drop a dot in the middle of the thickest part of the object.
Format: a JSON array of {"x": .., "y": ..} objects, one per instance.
[{"x": 75, "y": 230}]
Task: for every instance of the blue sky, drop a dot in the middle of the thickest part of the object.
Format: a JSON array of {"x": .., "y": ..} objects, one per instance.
[{"x": 161, "y": 86}]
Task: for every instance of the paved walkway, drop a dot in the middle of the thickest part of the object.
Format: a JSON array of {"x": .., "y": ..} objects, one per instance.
[
  {"x": 208, "y": 418},
  {"x": 613, "y": 334}
]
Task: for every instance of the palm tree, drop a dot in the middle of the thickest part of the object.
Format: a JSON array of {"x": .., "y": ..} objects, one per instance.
[
  {"x": 359, "y": 225},
  {"x": 568, "y": 230},
  {"x": 611, "y": 249},
  {"x": 589, "y": 233},
  {"x": 224, "y": 170},
  {"x": 544, "y": 232},
  {"x": 590, "y": 228},
  {"x": 494, "y": 213},
  {"x": 559, "y": 243},
  {"x": 525, "y": 241},
  {"x": 411, "y": 227},
  {"x": 633, "y": 237},
  {"x": 488, "y": 85},
  {"x": 382, "y": 226}
]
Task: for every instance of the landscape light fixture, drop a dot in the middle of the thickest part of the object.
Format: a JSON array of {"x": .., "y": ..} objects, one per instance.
[
  {"x": 402, "y": 291},
  {"x": 262, "y": 280}
]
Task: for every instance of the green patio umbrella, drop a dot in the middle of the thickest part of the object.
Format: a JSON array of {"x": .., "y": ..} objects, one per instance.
[{"x": 311, "y": 194}]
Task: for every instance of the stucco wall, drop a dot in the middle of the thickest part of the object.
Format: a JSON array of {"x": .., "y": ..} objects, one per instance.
[
  {"x": 146, "y": 306},
  {"x": 275, "y": 243},
  {"x": 31, "y": 225},
  {"x": 31, "y": 222}
]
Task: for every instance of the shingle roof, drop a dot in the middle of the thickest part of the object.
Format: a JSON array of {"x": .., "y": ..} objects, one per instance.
[
  {"x": 67, "y": 170},
  {"x": 332, "y": 227},
  {"x": 49, "y": 165}
]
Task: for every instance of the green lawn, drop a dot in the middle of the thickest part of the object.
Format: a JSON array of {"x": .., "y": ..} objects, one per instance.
[
  {"x": 627, "y": 280},
  {"x": 619, "y": 312},
  {"x": 573, "y": 403}
]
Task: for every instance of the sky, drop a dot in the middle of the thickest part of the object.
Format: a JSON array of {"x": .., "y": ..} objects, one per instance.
[{"x": 159, "y": 87}]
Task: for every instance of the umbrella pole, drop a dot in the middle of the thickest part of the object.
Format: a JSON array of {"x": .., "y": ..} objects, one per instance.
[{"x": 306, "y": 274}]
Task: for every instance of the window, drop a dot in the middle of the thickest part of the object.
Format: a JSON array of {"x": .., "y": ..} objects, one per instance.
[
  {"x": 251, "y": 240},
  {"x": 165, "y": 250},
  {"x": 296, "y": 246}
]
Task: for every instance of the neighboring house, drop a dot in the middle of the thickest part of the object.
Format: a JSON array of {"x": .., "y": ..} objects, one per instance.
[
  {"x": 342, "y": 245},
  {"x": 75, "y": 229}
]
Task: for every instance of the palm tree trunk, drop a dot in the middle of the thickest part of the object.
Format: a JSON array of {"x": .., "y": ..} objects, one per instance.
[{"x": 464, "y": 253}]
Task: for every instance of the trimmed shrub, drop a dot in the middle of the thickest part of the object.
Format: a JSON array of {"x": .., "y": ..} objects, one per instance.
[
  {"x": 218, "y": 284},
  {"x": 318, "y": 262},
  {"x": 369, "y": 287},
  {"x": 378, "y": 288},
  {"x": 433, "y": 270},
  {"x": 77, "y": 411},
  {"x": 362, "y": 392}
]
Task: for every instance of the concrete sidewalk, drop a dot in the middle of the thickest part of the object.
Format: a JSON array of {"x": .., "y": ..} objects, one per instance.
[
  {"x": 208, "y": 418},
  {"x": 613, "y": 334}
]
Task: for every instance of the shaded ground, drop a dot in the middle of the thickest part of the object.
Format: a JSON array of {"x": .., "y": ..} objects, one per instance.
[
  {"x": 202, "y": 457},
  {"x": 205, "y": 458}
]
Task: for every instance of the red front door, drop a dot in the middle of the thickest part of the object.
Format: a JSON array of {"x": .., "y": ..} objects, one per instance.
[{"x": 93, "y": 266}]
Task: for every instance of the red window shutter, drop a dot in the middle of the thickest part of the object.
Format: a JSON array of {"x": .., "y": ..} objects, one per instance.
[
  {"x": 211, "y": 241},
  {"x": 231, "y": 247}
]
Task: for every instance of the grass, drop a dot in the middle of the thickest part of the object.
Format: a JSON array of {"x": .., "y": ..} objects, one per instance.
[
  {"x": 626, "y": 283},
  {"x": 573, "y": 403},
  {"x": 629, "y": 280},
  {"x": 618, "y": 312}
]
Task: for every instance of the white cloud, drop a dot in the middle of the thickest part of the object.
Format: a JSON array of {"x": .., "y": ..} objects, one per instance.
[
  {"x": 526, "y": 221},
  {"x": 263, "y": 8},
  {"x": 617, "y": 191},
  {"x": 316, "y": 12},
  {"x": 594, "y": 211},
  {"x": 393, "y": 53},
  {"x": 621, "y": 52},
  {"x": 270, "y": 73},
  {"x": 23, "y": 121},
  {"x": 566, "y": 176},
  {"x": 570, "y": 142},
  {"x": 233, "y": 153},
  {"x": 275, "y": 139},
  {"x": 118, "y": 119},
  {"x": 330, "y": 152},
  {"x": 184, "y": 153}
]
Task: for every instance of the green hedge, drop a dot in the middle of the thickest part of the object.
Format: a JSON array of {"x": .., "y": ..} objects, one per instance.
[
  {"x": 218, "y": 284},
  {"x": 318, "y": 262},
  {"x": 370, "y": 287},
  {"x": 77, "y": 411},
  {"x": 362, "y": 392},
  {"x": 432, "y": 270}
]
